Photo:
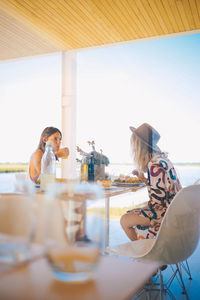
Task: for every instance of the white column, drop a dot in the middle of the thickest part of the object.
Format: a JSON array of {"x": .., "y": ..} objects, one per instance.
[{"x": 68, "y": 166}]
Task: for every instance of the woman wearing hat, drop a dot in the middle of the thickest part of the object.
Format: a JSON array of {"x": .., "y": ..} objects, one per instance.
[{"x": 162, "y": 184}]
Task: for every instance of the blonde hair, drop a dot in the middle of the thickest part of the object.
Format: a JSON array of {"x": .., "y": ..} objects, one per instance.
[{"x": 141, "y": 152}]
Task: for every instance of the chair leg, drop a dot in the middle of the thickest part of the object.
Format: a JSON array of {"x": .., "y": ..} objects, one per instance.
[
  {"x": 157, "y": 289},
  {"x": 182, "y": 283},
  {"x": 157, "y": 285},
  {"x": 162, "y": 290},
  {"x": 186, "y": 268},
  {"x": 179, "y": 269}
]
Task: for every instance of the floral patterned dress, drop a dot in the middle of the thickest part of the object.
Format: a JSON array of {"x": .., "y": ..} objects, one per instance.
[{"x": 163, "y": 184}]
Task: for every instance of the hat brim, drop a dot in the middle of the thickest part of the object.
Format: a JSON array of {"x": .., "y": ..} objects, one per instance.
[
  {"x": 155, "y": 147},
  {"x": 132, "y": 128}
]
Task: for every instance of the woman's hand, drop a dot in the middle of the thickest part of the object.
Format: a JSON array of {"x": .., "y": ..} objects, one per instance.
[
  {"x": 135, "y": 172},
  {"x": 62, "y": 153},
  {"x": 140, "y": 175},
  {"x": 136, "y": 211}
]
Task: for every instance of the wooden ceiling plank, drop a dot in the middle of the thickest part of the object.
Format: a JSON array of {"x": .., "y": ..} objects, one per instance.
[
  {"x": 188, "y": 14},
  {"x": 137, "y": 21},
  {"x": 152, "y": 15},
  {"x": 130, "y": 18},
  {"x": 85, "y": 25},
  {"x": 39, "y": 19},
  {"x": 141, "y": 20},
  {"x": 22, "y": 42},
  {"x": 113, "y": 26},
  {"x": 87, "y": 21},
  {"x": 198, "y": 7},
  {"x": 143, "y": 12},
  {"x": 170, "y": 15},
  {"x": 161, "y": 16},
  {"x": 19, "y": 41},
  {"x": 97, "y": 29},
  {"x": 122, "y": 9},
  {"x": 9, "y": 8},
  {"x": 194, "y": 9},
  {"x": 91, "y": 12},
  {"x": 77, "y": 22},
  {"x": 68, "y": 28},
  {"x": 19, "y": 45},
  {"x": 181, "y": 9},
  {"x": 75, "y": 36},
  {"x": 44, "y": 21},
  {"x": 16, "y": 30},
  {"x": 176, "y": 14},
  {"x": 115, "y": 18}
]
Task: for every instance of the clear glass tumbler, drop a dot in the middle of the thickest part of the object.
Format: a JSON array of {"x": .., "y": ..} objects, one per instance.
[
  {"x": 74, "y": 230},
  {"x": 17, "y": 227}
]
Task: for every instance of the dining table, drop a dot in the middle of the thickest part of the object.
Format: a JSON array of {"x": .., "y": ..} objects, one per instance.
[
  {"x": 109, "y": 193},
  {"x": 114, "y": 278}
]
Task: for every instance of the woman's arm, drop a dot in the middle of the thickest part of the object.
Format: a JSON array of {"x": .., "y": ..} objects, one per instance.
[
  {"x": 140, "y": 175},
  {"x": 62, "y": 153},
  {"x": 35, "y": 165}
]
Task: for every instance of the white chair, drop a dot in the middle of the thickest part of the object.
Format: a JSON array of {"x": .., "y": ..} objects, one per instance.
[
  {"x": 185, "y": 265},
  {"x": 177, "y": 238}
]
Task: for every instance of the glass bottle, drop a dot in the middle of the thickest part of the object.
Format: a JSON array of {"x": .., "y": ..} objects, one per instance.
[
  {"x": 91, "y": 168},
  {"x": 48, "y": 167},
  {"x": 84, "y": 169}
]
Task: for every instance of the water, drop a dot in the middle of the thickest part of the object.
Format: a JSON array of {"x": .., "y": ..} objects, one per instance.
[
  {"x": 187, "y": 174},
  {"x": 45, "y": 180},
  {"x": 74, "y": 264}
]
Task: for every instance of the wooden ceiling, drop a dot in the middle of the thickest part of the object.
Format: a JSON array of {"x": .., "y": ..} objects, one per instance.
[{"x": 32, "y": 27}]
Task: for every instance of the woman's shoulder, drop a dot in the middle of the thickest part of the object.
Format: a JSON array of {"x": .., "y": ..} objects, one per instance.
[
  {"x": 160, "y": 160},
  {"x": 36, "y": 154}
]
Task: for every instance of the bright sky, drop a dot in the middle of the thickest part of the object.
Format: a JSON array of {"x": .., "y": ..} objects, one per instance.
[{"x": 154, "y": 81}]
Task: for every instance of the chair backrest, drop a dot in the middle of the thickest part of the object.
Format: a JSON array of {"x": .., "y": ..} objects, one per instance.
[{"x": 179, "y": 233}]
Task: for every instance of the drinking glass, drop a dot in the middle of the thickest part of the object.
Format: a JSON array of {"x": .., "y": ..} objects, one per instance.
[
  {"x": 17, "y": 227},
  {"x": 74, "y": 231}
]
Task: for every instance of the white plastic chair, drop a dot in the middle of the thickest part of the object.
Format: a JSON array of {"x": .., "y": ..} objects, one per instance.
[
  {"x": 185, "y": 265},
  {"x": 177, "y": 238}
]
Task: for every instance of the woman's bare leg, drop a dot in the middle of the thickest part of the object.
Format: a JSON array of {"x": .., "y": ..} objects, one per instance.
[{"x": 131, "y": 219}]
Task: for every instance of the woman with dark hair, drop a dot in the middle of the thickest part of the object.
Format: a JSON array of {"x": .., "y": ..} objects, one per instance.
[
  {"x": 53, "y": 135},
  {"x": 162, "y": 184}
]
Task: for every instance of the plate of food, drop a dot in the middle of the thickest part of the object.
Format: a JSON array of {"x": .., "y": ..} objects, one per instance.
[
  {"x": 106, "y": 183},
  {"x": 128, "y": 181}
]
